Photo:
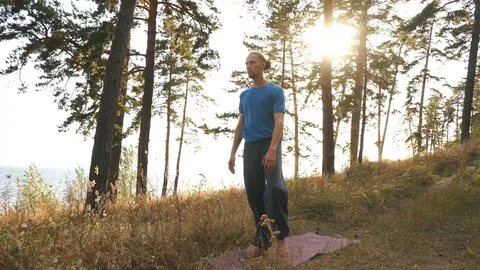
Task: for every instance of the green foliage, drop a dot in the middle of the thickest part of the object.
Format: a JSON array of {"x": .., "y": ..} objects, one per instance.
[
  {"x": 76, "y": 191},
  {"x": 127, "y": 178},
  {"x": 475, "y": 118},
  {"x": 216, "y": 131},
  {"x": 64, "y": 45},
  {"x": 185, "y": 59},
  {"x": 427, "y": 14},
  {"x": 456, "y": 33},
  {"x": 33, "y": 192}
]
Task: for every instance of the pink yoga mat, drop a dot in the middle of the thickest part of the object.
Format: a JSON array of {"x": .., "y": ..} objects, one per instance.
[{"x": 301, "y": 249}]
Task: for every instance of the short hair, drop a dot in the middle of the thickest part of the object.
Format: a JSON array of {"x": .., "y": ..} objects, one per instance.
[{"x": 268, "y": 64}]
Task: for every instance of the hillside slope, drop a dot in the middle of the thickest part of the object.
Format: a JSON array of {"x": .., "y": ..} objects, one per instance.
[{"x": 421, "y": 213}]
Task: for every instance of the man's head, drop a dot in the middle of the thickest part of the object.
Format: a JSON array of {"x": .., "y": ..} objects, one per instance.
[{"x": 256, "y": 63}]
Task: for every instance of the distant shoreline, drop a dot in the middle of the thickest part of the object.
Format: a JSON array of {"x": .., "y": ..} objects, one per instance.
[{"x": 41, "y": 168}]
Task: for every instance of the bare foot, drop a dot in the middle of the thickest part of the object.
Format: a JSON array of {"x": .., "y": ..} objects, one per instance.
[
  {"x": 282, "y": 249},
  {"x": 253, "y": 252}
]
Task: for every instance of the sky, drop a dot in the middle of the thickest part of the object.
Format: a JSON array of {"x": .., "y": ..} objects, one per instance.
[{"x": 29, "y": 121}]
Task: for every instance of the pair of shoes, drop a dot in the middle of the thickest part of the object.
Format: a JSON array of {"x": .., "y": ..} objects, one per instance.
[{"x": 254, "y": 251}]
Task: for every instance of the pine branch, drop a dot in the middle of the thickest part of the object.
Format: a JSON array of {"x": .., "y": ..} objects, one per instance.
[
  {"x": 140, "y": 19},
  {"x": 8, "y": 36},
  {"x": 177, "y": 8},
  {"x": 134, "y": 70},
  {"x": 446, "y": 4},
  {"x": 142, "y": 7},
  {"x": 136, "y": 54}
]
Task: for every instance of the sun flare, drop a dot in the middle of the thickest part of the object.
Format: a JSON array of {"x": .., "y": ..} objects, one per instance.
[{"x": 335, "y": 41}]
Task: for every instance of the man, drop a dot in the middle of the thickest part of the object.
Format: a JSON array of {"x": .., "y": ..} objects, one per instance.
[{"x": 262, "y": 109}]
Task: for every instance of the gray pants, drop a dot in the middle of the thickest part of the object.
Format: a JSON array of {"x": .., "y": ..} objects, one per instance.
[{"x": 266, "y": 192}]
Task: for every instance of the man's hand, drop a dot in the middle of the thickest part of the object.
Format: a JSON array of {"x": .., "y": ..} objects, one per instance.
[
  {"x": 269, "y": 160},
  {"x": 231, "y": 164}
]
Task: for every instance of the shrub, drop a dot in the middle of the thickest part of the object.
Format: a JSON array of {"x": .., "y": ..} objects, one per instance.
[
  {"x": 33, "y": 191},
  {"x": 76, "y": 192}
]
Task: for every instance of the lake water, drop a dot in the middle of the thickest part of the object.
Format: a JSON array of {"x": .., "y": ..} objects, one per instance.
[{"x": 58, "y": 179}]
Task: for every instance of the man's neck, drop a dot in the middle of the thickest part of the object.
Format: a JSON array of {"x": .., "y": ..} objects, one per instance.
[{"x": 259, "y": 82}]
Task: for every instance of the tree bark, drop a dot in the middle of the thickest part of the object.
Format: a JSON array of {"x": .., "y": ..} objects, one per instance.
[
  {"x": 422, "y": 95},
  {"x": 118, "y": 134},
  {"x": 339, "y": 112},
  {"x": 102, "y": 145},
  {"x": 470, "y": 84},
  {"x": 295, "y": 114},
  {"x": 364, "y": 112},
  {"x": 357, "y": 94},
  {"x": 457, "y": 118},
  {"x": 182, "y": 132},
  {"x": 379, "y": 123},
  {"x": 167, "y": 137},
  {"x": 284, "y": 51},
  {"x": 390, "y": 99},
  {"x": 412, "y": 141},
  {"x": 446, "y": 135},
  {"x": 328, "y": 155},
  {"x": 427, "y": 139},
  {"x": 147, "y": 99}
]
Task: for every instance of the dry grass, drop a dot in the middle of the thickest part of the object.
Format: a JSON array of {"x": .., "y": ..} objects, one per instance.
[
  {"x": 398, "y": 209},
  {"x": 167, "y": 233}
]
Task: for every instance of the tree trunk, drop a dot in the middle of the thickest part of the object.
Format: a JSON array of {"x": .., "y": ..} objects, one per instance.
[
  {"x": 357, "y": 94},
  {"x": 422, "y": 95},
  {"x": 379, "y": 123},
  {"x": 390, "y": 99},
  {"x": 147, "y": 99},
  {"x": 169, "y": 115},
  {"x": 284, "y": 52},
  {"x": 364, "y": 112},
  {"x": 427, "y": 138},
  {"x": 447, "y": 133},
  {"x": 457, "y": 118},
  {"x": 118, "y": 134},
  {"x": 339, "y": 112},
  {"x": 182, "y": 132},
  {"x": 470, "y": 84},
  {"x": 102, "y": 144},
  {"x": 295, "y": 115},
  {"x": 438, "y": 134},
  {"x": 328, "y": 161},
  {"x": 412, "y": 141}
]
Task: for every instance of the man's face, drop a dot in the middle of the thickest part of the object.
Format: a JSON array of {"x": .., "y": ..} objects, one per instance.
[{"x": 254, "y": 66}]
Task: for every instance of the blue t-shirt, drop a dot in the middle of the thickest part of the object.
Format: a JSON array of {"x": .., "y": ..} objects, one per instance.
[{"x": 258, "y": 106}]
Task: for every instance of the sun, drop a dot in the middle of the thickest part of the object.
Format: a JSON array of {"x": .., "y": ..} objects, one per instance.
[{"x": 335, "y": 41}]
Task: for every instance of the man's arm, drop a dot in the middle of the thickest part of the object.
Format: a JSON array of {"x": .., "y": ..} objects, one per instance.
[
  {"x": 269, "y": 160},
  {"x": 277, "y": 131},
  {"x": 237, "y": 139}
]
